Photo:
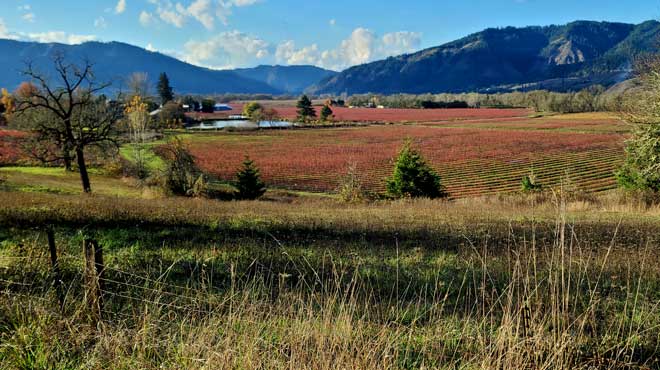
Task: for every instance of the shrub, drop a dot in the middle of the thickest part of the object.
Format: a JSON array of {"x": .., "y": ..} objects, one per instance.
[
  {"x": 249, "y": 184},
  {"x": 172, "y": 115},
  {"x": 413, "y": 177},
  {"x": 350, "y": 190},
  {"x": 181, "y": 177},
  {"x": 251, "y": 108},
  {"x": 530, "y": 184},
  {"x": 208, "y": 106}
]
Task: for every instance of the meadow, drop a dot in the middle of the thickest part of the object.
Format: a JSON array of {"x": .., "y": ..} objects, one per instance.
[
  {"x": 312, "y": 283},
  {"x": 490, "y": 279}
]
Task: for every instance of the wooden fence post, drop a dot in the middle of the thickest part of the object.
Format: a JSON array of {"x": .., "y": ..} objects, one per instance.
[
  {"x": 57, "y": 280},
  {"x": 93, "y": 280}
]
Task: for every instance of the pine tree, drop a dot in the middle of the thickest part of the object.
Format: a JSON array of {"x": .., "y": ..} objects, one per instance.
[
  {"x": 326, "y": 112},
  {"x": 305, "y": 109},
  {"x": 413, "y": 177},
  {"x": 249, "y": 184},
  {"x": 165, "y": 91}
]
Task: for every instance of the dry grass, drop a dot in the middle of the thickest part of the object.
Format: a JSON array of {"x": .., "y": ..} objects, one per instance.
[{"x": 312, "y": 284}]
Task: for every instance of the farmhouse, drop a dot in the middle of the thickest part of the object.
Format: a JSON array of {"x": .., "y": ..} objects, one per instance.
[{"x": 222, "y": 108}]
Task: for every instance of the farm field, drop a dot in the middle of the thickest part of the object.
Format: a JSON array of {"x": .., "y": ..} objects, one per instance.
[
  {"x": 473, "y": 160},
  {"x": 343, "y": 114}
]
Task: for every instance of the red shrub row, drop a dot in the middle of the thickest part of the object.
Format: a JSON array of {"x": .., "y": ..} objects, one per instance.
[{"x": 316, "y": 160}]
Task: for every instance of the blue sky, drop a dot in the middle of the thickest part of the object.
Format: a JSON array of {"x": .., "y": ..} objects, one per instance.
[{"x": 332, "y": 34}]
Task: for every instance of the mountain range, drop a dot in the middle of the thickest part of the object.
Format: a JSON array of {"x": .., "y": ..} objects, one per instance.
[
  {"x": 559, "y": 58},
  {"x": 115, "y": 61}
]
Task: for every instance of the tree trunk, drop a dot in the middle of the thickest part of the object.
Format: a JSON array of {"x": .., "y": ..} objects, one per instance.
[
  {"x": 67, "y": 161},
  {"x": 82, "y": 167}
]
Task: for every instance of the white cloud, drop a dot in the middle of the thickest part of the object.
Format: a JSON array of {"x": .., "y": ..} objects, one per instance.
[
  {"x": 402, "y": 42},
  {"x": 287, "y": 52},
  {"x": 28, "y": 17},
  {"x": 60, "y": 37},
  {"x": 332, "y": 22},
  {"x": 240, "y": 3},
  {"x": 362, "y": 46},
  {"x": 151, "y": 48},
  {"x": 201, "y": 10},
  {"x": 146, "y": 18},
  {"x": 47, "y": 37},
  {"x": 173, "y": 17},
  {"x": 227, "y": 50},
  {"x": 4, "y": 32},
  {"x": 120, "y": 7},
  {"x": 100, "y": 22}
]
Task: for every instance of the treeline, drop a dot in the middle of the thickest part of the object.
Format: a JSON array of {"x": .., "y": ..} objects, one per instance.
[{"x": 587, "y": 100}]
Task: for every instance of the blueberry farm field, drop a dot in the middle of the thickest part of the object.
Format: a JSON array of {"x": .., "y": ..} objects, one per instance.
[{"x": 474, "y": 157}]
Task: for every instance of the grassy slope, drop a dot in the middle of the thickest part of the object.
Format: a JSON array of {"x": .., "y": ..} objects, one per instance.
[{"x": 312, "y": 283}]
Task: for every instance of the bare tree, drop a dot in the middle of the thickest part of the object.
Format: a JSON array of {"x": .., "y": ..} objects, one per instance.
[
  {"x": 138, "y": 84},
  {"x": 72, "y": 116}
]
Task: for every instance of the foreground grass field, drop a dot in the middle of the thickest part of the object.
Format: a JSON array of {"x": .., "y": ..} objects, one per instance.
[{"x": 312, "y": 283}]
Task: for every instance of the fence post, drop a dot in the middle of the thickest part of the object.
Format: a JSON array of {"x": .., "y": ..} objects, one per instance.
[
  {"x": 57, "y": 280},
  {"x": 93, "y": 271}
]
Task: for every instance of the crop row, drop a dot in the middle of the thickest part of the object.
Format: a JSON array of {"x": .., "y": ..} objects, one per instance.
[{"x": 470, "y": 161}]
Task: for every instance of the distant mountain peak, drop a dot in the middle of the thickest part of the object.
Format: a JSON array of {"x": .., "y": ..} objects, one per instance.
[{"x": 496, "y": 58}]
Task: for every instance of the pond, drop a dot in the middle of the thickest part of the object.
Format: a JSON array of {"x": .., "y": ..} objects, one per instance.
[{"x": 220, "y": 124}]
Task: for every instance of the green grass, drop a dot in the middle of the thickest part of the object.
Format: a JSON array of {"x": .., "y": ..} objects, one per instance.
[
  {"x": 152, "y": 161},
  {"x": 57, "y": 180}
]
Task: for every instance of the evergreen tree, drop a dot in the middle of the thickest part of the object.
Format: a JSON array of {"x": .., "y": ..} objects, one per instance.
[
  {"x": 305, "y": 109},
  {"x": 249, "y": 184},
  {"x": 413, "y": 177},
  {"x": 326, "y": 112},
  {"x": 641, "y": 170},
  {"x": 165, "y": 91}
]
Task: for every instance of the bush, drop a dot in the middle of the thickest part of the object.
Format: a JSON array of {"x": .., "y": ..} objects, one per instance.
[
  {"x": 208, "y": 106},
  {"x": 249, "y": 184},
  {"x": 182, "y": 177},
  {"x": 529, "y": 184},
  {"x": 251, "y": 108},
  {"x": 413, "y": 177},
  {"x": 350, "y": 190},
  {"x": 172, "y": 115}
]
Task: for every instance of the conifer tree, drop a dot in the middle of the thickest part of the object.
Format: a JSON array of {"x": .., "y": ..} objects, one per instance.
[
  {"x": 413, "y": 177},
  {"x": 249, "y": 184},
  {"x": 305, "y": 109}
]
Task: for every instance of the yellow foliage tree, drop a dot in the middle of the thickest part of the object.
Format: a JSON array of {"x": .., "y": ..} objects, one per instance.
[
  {"x": 7, "y": 100},
  {"x": 138, "y": 119}
]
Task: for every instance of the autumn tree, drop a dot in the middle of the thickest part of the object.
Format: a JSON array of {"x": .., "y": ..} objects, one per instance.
[
  {"x": 252, "y": 111},
  {"x": 165, "y": 91},
  {"x": 70, "y": 117},
  {"x": 138, "y": 120}
]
